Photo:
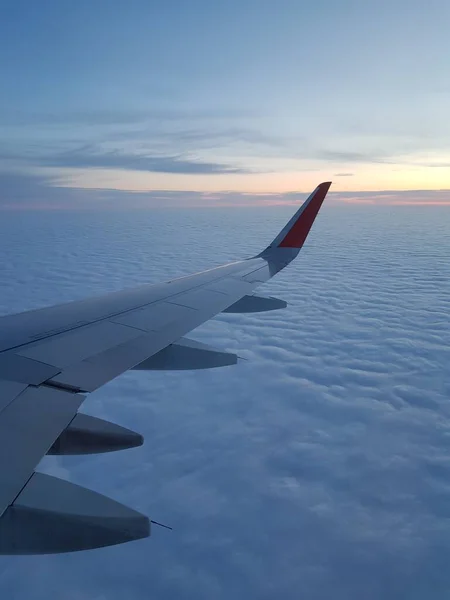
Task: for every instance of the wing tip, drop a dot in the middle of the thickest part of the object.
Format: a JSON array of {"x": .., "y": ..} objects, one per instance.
[
  {"x": 324, "y": 184},
  {"x": 297, "y": 233}
]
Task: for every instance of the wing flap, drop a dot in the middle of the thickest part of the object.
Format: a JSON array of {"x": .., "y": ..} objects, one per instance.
[
  {"x": 231, "y": 286},
  {"x": 155, "y": 316},
  {"x": 24, "y": 370},
  {"x": 201, "y": 298},
  {"x": 9, "y": 390},
  {"x": 74, "y": 346},
  {"x": 28, "y": 427},
  {"x": 94, "y": 372}
]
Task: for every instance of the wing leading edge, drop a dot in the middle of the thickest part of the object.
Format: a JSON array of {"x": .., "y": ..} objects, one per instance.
[{"x": 50, "y": 358}]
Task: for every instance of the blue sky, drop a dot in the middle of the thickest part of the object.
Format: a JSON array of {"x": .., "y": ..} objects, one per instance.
[{"x": 250, "y": 96}]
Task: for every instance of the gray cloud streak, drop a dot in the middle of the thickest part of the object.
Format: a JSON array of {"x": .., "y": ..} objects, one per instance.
[
  {"x": 87, "y": 158},
  {"x": 119, "y": 117},
  {"x": 136, "y": 162}
]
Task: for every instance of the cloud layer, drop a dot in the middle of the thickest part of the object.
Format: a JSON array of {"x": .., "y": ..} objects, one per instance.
[{"x": 318, "y": 467}]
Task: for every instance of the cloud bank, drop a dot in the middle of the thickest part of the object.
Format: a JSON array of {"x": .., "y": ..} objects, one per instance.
[{"x": 319, "y": 466}]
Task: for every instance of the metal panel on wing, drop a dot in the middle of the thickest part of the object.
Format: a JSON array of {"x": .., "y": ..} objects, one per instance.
[
  {"x": 94, "y": 372},
  {"x": 259, "y": 275},
  {"x": 154, "y": 317},
  {"x": 231, "y": 286},
  {"x": 74, "y": 346},
  {"x": 8, "y": 391},
  {"x": 24, "y": 370},
  {"x": 202, "y": 298}
]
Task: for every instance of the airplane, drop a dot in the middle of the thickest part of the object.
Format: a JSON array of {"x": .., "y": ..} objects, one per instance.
[{"x": 52, "y": 358}]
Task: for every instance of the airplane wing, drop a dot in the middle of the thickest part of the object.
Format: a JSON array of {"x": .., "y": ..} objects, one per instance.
[{"x": 52, "y": 358}]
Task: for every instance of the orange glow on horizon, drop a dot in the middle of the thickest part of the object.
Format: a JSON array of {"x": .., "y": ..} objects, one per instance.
[
  {"x": 368, "y": 184},
  {"x": 370, "y": 178},
  {"x": 394, "y": 202}
]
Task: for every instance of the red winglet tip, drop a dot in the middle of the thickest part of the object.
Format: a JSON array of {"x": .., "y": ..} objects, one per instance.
[{"x": 296, "y": 236}]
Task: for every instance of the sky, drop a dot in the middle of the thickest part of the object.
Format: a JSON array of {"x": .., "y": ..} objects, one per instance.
[{"x": 112, "y": 102}]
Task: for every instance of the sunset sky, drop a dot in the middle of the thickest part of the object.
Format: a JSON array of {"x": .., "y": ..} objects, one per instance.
[
  {"x": 146, "y": 140},
  {"x": 249, "y": 96}
]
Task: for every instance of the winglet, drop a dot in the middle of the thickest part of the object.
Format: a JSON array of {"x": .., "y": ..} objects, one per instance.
[{"x": 294, "y": 234}]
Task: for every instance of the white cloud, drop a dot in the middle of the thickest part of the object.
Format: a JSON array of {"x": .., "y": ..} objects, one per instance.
[{"x": 317, "y": 468}]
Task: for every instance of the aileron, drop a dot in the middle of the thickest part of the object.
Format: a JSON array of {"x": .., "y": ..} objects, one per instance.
[{"x": 25, "y": 370}]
